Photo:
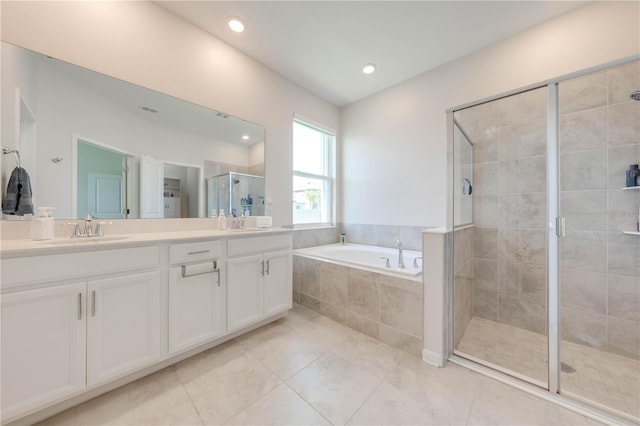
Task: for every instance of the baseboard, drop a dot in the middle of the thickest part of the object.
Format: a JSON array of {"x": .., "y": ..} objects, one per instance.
[{"x": 433, "y": 358}]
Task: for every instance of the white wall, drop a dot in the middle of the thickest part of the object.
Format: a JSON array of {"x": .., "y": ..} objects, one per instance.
[
  {"x": 394, "y": 143},
  {"x": 144, "y": 44}
]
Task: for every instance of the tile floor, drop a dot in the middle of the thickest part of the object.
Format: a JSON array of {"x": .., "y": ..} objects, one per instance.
[
  {"x": 309, "y": 370},
  {"x": 606, "y": 378}
]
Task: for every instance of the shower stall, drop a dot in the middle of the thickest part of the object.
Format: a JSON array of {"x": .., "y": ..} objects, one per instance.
[
  {"x": 237, "y": 193},
  {"x": 546, "y": 248}
]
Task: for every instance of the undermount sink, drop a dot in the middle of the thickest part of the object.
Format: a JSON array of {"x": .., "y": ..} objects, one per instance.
[{"x": 87, "y": 240}]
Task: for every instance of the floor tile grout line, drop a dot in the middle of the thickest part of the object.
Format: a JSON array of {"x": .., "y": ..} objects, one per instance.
[
  {"x": 364, "y": 401},
  {"x": 307, "y": 402}
]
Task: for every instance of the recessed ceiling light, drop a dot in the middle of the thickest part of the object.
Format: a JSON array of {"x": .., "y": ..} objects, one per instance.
[
  {"x": 236, "y": 24},
  {"x": 245, "y": 137},
  {"x": 369, "y": 68}
]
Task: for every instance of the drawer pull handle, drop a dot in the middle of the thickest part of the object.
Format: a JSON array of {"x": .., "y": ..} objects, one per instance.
[
  {"x": 262, "y": 271},
  {"x": 79, "y": 306},
  {"x": 198, "y": 252},
  {"x": 214, "y": 270},
  {"x": 93, "y": 303},
  {"x": 267, "y": 267}
]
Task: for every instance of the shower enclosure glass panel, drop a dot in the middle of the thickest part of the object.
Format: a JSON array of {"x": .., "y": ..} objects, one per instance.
[
  {"x": 599, "y": 138},
  {"x": 500, "y": 280},
  {"x": 237, "y": 193}
]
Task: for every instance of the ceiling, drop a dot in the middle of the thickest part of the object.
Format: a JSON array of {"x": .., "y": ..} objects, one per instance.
[{"x": 323, "y": 45}]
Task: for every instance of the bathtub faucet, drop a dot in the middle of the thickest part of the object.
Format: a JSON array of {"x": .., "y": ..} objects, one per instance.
[{"x": 400, "y": 258}]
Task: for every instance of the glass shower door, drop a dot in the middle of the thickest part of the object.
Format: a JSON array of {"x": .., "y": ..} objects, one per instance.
[
  {"x": 500, "y": 277},
  {"x": 599, "y": 138}
]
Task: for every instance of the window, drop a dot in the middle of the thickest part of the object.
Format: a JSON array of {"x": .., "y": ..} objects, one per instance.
[{"x": 313, "y": 174}]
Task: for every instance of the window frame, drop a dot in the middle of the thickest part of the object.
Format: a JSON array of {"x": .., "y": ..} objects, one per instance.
[{"x": 328, "y": 179}]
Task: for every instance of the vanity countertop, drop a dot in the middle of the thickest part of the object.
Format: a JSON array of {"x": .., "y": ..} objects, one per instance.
[{"x": 27, "y": 247}]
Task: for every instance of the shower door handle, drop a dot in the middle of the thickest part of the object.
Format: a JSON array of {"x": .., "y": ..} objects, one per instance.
[{"x": 560, "y": 227}]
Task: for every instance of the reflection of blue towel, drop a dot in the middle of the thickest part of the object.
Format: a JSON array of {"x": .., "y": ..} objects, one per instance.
[{"x": 18, "y": 198}]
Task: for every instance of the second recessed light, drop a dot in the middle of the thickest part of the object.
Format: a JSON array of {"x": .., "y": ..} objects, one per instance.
[
  {"x": 369, "y": 68},
  {"x": 236, "y": 24}
]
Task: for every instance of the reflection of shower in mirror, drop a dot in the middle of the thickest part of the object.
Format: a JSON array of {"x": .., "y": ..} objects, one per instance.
[{"x": 467, "y": 188}]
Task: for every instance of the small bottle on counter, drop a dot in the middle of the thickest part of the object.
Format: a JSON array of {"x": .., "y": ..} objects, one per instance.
[
  {"x": 222, "y": 221},
  {"x": 343, "y": 238}
]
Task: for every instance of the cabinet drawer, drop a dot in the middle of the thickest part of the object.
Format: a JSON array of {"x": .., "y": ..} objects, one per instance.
[
  {"x": 192, "y": 252},
  {"x": 251, "y": 245},
  {"x": 24, "y": 271}
]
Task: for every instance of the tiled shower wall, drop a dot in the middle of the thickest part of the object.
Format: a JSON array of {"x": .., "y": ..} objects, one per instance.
[
  {"x": 509, "y": 237},
  {"x": 600, "y": 267},
  {"x": 599, "y": 137}
]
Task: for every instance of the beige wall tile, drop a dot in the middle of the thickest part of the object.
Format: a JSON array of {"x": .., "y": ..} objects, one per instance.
[
  {"x": 364, "y": 325},
  {"x": 523, "y": 210},
  {"x": 485, "y": 178},
  {"x": 485, "y": 304},
  {"x": 522, "y": 245},
  {"x": 624, "y": 123},
  {"x": 485, "y": 274},
  {"x": 584, "y": 250},
  {"x": 584, "y": 210},
  {"x": 485, "y": 210},
  {"x": 334, "y": 312},
  {"x": 583, "y": 93},
  {"x": 523, "y": 108},
  {"x": 583, "y": 170},
  {"x": 522, "y": 313},
  {"x": 584, "y": 289},
  {"x": 619, "y": 160},
  {"x": 523, "y": 139},
  {"x": 532, "y": 174},
  {"x": 583, "y": 130},
  {"x": 333, "y": 284},
  {"x": 363, "y": 297},
  {"x": 623, "y": 210},
  {"x": 310, "y": 302},
  {"x": 583, "y": 327},
  {"x": 485, "y": 243},
  {"x": 398, "y": 339},
  {"x": 624, "y": 297},
  {"x": 623, "y": 337},
  {"x": 624, "y": 254},
  {"x": 623, "y": 80},
  {"x": 401, "y": 309}
]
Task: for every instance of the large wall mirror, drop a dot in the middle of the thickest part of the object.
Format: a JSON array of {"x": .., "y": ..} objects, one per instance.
[{"x": 93, "y": 144}]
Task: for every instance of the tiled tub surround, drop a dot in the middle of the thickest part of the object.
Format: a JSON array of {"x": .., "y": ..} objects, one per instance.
[
  {"x": 382, "y": 306},
  {"x": 358, "y": 233}
]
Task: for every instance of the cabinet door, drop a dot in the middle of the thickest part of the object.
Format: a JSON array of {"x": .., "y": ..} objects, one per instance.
[
  {"x": 278, "y": 296},
  {"x": 43, "y": 347},
  {"x": 196, "y": 306},
  {"x": 244, "y": 291},
  {"x": 123, "y": 325}
]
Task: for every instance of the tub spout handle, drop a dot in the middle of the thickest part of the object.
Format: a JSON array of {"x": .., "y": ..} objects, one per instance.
[{"x": 387, "y": 264}]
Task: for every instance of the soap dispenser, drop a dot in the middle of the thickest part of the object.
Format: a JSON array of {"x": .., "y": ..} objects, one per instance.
[{"x": 43, "y": 227}]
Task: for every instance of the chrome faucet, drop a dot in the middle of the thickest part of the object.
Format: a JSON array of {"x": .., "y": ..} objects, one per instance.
[
  {"x": 400, "y": 257},
  {"x": 87, "y": 226}
]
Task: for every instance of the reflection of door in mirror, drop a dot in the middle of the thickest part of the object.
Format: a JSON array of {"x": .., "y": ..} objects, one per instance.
[
  {"x": 151, "y": 185},
  {"x": 182, "y": 190},
  {"x": 102, "y": 181}
]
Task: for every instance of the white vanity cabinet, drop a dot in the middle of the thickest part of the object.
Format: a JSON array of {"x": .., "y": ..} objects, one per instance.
[
  {"x": 197, "y": 309},
  {"x": 259, "y": 279},
  {"x": 123, "y": 325},
  {"x": 66, "y": 332},
  {"x": 43, "y": 346}
]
